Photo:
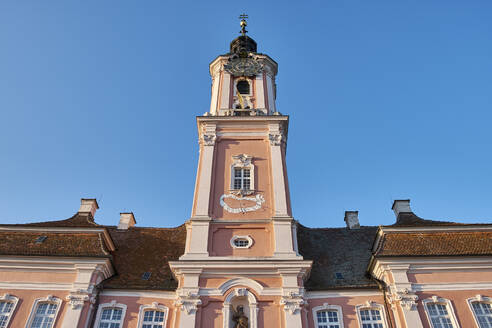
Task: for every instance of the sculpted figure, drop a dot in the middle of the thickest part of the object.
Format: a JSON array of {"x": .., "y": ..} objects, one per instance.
[{"x": 239, "y": 318}]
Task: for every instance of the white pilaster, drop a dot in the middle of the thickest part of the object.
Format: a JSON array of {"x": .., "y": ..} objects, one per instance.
[
  {"x": 204, "y": 180},
  {"x": 260, "y": 91},
  {"x": 188, "y": 305},
  {"x": 402, "y": 295},
  {"x": 284, "y": 244},
  {"x": 293, "y": 305},
  {"x": 225, "y": 91},
  {"x": 198, "y": 243},
  {"x": 215, "y": 90},
  {"x": 187, "y": 297},
  {"x": 74, "y": 309},
  {"x": 276, "y": 138},
  {"x": 270, "y": 92}
]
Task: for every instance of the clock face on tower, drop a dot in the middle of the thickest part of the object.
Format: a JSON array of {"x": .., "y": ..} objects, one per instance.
[{"x": 243, "y": 67}]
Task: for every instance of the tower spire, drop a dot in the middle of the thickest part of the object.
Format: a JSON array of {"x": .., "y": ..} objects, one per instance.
[{"x": 243, "y": 24}]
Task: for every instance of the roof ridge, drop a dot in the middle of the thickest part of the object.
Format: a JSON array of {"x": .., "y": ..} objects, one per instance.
[{"x": 82, "y": 220}]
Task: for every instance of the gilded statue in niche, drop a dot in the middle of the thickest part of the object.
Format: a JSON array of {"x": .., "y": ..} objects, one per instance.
[{"x": 239, "y": 318}]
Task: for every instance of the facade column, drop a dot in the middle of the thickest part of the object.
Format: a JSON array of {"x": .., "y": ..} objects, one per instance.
[
  {"x": 188, "y": 305},
  {"x": 76, "y": 302},
  {"x": 293, "y": 305},
  {"x": 204, "y": 179},
  {"x": 199, "y": 224},
  {"x": 401, "y": 294},
  {"x": 408, "y": 303},
  {"x": 292, "y": 299},
  {"x": 282, "y": 222},
  {"x": 277, "y": 140},
  {"x": 188, "y": 298}
]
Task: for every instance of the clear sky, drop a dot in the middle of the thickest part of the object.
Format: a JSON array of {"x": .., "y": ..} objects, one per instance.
[{"x": 387, "y": 100}]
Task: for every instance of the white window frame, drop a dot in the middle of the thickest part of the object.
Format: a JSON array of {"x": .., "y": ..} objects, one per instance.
[
  {"x": 248, "y": 237},
  {"x": 9, "y": 299},
  {"x": 243, "y": 161},
  {"x": 481, "y": 299},
  {"x": 370, "y": 305},
  {"x": 152, "y": 307},
  {"x": 48, "y": 299},
  {"x": 442, "y": 301},
  {"x": 111, "y": 305},
  {"x": 328, "y": 307}
]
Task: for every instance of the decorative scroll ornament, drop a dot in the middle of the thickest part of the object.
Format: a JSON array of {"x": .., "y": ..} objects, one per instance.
[
  {"x": 188, "y": 302},
  {"x": 243, "y": 67},
  {"x": 293, "y": 303},
  {"x": 407, "y": 299},
  {"x": 76, "y": 301},
  {"x": 275, "y": 139},
  {"x": 242, "y": 160},
  {"x": 209, "y": 139},
  {"x": 258, "y": 199}
]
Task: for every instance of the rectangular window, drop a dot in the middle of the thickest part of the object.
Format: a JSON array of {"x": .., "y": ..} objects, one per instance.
[
  {"x": 439, "y": 315},
  {"x": 153, "y": 319},
  {"x": 44, "y": 315},
  {"x": 371, "y": 318},
  {"x": 327, "y": 319},
  {"x": 483, "y": 313},
  {"x": 111, "y": 318},
  {"x": 242, "y": 179},
  {"x": 5, "y": 312}
]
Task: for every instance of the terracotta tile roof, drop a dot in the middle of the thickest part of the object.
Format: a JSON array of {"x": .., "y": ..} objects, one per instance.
[
  {"x": 452, "y": 243},
  {"x": 78, "y": 220},
  {"x": 56, "y": 244},
  {"x": 140, "y": 250},
  {"x": 337, "y": 251}
]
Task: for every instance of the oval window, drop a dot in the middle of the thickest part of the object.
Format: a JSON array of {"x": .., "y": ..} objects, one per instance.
[{"x": 241, "y": 242}]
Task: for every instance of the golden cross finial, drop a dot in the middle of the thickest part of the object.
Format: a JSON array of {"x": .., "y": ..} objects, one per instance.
[{"x": 243, "y": 24}]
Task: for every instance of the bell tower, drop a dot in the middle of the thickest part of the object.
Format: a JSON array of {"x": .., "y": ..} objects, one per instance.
[
  {"x": 243, "y": 81},
  {"x": 241, "y": 206}
]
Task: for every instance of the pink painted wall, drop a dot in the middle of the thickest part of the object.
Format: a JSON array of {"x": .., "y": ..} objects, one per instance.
[
  {"x": 221, "y": 234},
  {"x": 458, "y": 300},
  {"x": 226, "y": 148},
  {"x": 36, "y": 276},
  {"x": 133, "y": 305},
  {"x": 348, "y": 305},
  {"x": 26, "y": 302},
  {"x": 451, "y": 277}
]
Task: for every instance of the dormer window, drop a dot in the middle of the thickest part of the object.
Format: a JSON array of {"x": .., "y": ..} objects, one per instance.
[{"x": 243, "y": 87}]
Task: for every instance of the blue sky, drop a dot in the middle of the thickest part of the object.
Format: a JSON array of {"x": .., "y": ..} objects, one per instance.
[{"x": 387, "y": 100}]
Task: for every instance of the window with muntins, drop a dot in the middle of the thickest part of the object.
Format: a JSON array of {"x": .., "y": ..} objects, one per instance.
[
  {"x": 242, "y": 178},
  {"x": 153, "y": 319},
  {"x": 6, "y": 309},
  {"x": 483, "y": 314},
  {"x": 111, "y": 318},
  {"x": 327, "y": 319},
  {"x": 44, "y": 316},
  {"x": 241, "y": 242},
  {"x": 371, "y": 318},
  {"x": 439, "y": 315}
]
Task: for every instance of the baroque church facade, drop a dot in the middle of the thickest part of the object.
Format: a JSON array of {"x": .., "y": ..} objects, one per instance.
[{"x": 242, "y": 260}]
